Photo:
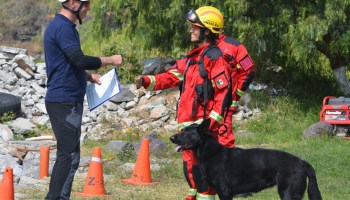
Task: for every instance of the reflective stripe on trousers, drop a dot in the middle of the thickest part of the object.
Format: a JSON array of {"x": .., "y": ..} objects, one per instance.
[{"x": 205, "y": 196}]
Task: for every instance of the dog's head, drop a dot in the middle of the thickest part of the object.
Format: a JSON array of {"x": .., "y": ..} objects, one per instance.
[{"x": 190, "y": 137}]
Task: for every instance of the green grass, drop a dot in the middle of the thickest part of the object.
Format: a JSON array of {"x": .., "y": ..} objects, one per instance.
[{"x": 279, "y": 127}]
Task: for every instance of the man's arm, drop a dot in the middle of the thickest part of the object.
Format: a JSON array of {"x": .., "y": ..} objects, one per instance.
[
  {"x": 77, "y": 58},
  {"x": 111, "y": 60},
  {"x": 169, "y": 79}
]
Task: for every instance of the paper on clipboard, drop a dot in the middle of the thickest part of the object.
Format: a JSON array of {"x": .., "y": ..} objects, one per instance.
[{"x": 109, "y": 87}]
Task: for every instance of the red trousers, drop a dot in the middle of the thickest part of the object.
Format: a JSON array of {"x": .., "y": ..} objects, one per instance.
[
  {"x": 191, "y": 169},
  {"x": 225, "y": 134}
]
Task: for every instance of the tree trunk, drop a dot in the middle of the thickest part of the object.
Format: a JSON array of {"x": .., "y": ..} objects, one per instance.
[{"x": 342, "y": 80}]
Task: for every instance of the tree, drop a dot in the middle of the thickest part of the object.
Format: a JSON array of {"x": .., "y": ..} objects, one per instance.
[
  {"x": 304, "y": 37},
  {"x": 324, "y": 26},
  {"x": 309, "y": 37},
  {"x": 24, "y": 20},
  {"x": 301, "y": 35}
]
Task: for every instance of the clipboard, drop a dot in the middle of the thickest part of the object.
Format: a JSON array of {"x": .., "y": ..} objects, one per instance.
[{"x": 98, "y": 94}]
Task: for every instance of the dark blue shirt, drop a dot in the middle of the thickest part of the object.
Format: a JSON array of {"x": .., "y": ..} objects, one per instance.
[{"x": 65, "y": 83}]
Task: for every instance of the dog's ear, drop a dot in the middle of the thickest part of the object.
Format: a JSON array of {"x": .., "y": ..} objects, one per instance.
[{"x": 204, "y": 126}]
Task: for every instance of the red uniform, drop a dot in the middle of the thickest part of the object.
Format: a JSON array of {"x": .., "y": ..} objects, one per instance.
[
  {"x": 190, "y": 107},
  {"x": 242, "y": 73}
]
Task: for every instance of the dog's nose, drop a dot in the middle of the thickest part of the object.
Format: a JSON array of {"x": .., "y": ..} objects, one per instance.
[{"x": 172, "y": 138}]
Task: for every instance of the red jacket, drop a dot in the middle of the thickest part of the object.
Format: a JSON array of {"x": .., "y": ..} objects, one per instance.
[
  {"x": 190, "y": 109},
  {"x": 242, "y": 65}
]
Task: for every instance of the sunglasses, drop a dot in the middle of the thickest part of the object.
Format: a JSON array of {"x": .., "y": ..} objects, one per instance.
[{"x": 86, "y": 4}]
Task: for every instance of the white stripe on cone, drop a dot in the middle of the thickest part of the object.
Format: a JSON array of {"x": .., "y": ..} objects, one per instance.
[{"x": 96, "y": 159}]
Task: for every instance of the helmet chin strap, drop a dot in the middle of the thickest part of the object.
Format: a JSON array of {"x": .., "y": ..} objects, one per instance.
[
  {"x": 201, "y": 37},
  {"x": 75, "y": 12}
]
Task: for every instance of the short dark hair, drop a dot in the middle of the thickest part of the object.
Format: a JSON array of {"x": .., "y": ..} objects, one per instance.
[{"x": 212, "y": 37}]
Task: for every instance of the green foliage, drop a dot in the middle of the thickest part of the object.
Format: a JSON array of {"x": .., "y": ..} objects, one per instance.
[
  {"x": 6, "y": 117},
  {"x": 24, "y": 19},
  {"x": 321, "y": 28},
  {"x": 303, "y": 37},
  {"x": 131, "y": 51},
  {"x": 286, "y": 34},
  {"x": 279, "y": 127},
  {"x": 32, "y": 134}
]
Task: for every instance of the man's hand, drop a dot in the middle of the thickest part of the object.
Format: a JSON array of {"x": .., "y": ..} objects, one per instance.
[
  {"x": 139, "y": 82},
  {"x": 117, "y": 59},
  {"x": 94, "y": 78}
]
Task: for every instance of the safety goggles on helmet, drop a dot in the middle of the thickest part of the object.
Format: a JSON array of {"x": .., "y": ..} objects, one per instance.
[{"x": 193, "y": 18}]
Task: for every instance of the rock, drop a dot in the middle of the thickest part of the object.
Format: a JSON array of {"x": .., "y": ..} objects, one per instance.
[
  {"x": 318, "y": 129},
  {"x": 5, "y": 133},
  {"x": 21, "y": 126},
  {"x": 124, "y": 96}
]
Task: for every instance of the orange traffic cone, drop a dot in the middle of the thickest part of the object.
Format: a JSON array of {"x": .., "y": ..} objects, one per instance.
[
  {"x": 44, "y": 161},
  {"x": 94, "y": 184},
  {"x": 6, "y": 187},
  {"x": 142, "y": 172}
]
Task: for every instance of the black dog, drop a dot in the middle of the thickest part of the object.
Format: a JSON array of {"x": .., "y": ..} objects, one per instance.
[{"x": 232, "y": 171}]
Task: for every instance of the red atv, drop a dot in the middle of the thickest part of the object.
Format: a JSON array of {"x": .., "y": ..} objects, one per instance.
[{"x": 336, "y": 111}]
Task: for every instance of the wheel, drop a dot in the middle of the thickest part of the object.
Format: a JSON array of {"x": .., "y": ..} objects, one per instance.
[
  {"x": 10, "y": 103},
  {"x": 341, "y": 130}
]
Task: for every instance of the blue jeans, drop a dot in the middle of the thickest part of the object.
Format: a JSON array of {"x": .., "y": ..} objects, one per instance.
[{"x": 66, "y": 121}]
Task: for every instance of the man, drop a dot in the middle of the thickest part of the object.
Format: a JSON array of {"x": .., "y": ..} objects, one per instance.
[
  {"x": 66, "y": 86},
  {"x": 243, "y": 72},
  {"x": 200, "y": 75}
]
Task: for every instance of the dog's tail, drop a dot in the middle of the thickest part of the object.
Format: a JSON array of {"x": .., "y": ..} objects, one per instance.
[{"x": 312, "y": 189}]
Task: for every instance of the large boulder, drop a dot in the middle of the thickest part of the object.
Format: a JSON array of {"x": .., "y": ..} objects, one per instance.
[
  {"x": 10, "y": 103},
  {"x": 319, "y": 129}
]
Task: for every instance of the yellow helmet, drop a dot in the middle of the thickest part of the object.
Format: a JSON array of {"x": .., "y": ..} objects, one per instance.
[{"x": 207, "y": 16}]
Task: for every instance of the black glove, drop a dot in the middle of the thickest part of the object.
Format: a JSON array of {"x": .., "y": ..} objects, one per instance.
[{"x": 139, "y": 81}]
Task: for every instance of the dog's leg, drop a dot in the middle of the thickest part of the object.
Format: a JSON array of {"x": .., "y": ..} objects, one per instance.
[
  {"x": 292, "y": 184},
  {"x": 243, "y": 195},
  {"x": 284, "y": 181},
  {"x": 225, "y": 196},
  {"x": 298, "y": 185}
]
